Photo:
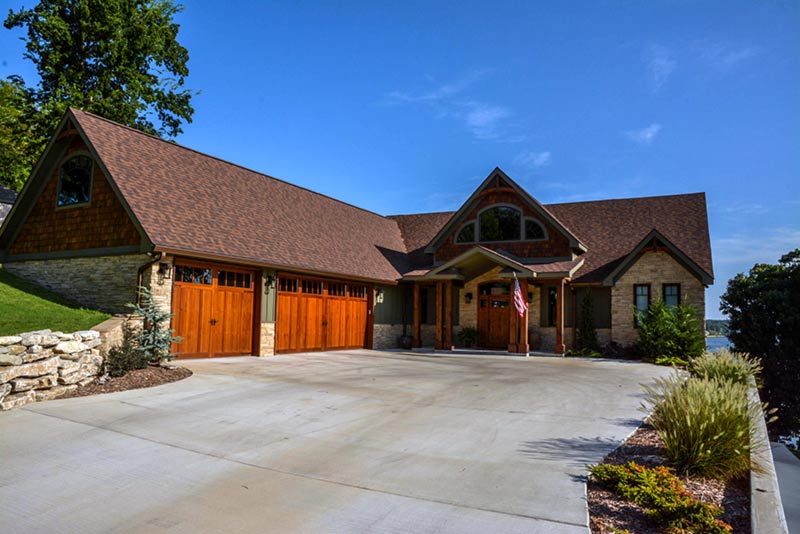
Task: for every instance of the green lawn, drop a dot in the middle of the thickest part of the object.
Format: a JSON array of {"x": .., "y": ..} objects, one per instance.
[{"x": 25, "y": 307}]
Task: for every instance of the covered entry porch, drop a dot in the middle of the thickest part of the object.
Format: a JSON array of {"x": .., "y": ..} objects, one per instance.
[{"x": 476, "y": 290}]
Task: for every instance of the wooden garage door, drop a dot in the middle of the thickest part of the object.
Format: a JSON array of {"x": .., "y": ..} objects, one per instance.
[
  {"x": 213, "y": 307},
  {"x": 314, "y": 314}
]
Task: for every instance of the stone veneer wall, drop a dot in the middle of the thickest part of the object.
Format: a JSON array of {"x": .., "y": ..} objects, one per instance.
[
  {"x": 105, "y": 283},
  {"x": 387, "y": 336},
  {"x": 160, "y": 288},
  {"x": 45, "y": 365},
  {"x": 267, "y": 339},
  {"x": 654, "y": 268}
]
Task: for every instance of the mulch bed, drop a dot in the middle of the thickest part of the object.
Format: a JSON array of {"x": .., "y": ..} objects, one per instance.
[
  {"x": 136, "y": 379},
  {"x": 608, "y": 511}
]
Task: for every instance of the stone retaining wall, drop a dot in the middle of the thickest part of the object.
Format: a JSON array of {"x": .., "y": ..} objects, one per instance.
[{"x": 44, "y": 365}]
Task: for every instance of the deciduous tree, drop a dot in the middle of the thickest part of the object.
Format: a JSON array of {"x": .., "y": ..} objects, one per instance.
[
  {"x": 765, "y": 321},
  {"x": 117, "y": 58}
]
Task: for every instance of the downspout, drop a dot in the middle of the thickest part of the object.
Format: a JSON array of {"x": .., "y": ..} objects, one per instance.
[
  {"x": 574, "y": 318},
  {"x": 140, "y": 277}
]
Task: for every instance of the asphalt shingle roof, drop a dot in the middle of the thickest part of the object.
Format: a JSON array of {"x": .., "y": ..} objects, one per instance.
[{"x": 193, "y": 202}]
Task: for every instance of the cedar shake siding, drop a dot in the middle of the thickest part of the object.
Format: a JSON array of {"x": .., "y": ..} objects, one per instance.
[
  {"x": 555, "y": 246},
  {"x": 102, "y": 223}
]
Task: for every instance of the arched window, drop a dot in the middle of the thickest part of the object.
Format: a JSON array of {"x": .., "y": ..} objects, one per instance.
[
  {"x": 500, "y": 223},
  {"x": 75, "y": 181},
  {"x": 466, "y": 234},
  {"x": 533, "y": 230}
]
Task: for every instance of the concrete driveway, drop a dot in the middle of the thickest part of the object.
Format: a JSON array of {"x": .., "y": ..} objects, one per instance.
[{"x": 355, "y": 441}]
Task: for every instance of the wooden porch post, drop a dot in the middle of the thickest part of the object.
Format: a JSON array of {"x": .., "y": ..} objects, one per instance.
[
  {"x": 523, "y": 321},
  {"x": 560, "y": 347},
  {"x": 417, "y": 339},
  {"x": 439, "y": 333},
  {"x": 448, "y": 316}
]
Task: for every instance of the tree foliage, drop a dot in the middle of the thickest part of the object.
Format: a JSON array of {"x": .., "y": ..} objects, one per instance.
[
  {"x": 19, "y": 145},
  {"x": 765, "y": 321},
  {"x": 670, "y": 334},
  {"x": 119, "y": 59},
  {"x": 155, "y": 338}
]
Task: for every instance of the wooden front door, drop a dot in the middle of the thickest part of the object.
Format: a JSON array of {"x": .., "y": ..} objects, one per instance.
[
  {"x": 314, "y": 314},
  {"x": 213, "y": 308},
  {"x": 493, "y": 315}
]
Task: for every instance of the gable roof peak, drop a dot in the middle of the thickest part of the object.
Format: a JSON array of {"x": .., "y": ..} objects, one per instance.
[{"x": 498, "y": 174}]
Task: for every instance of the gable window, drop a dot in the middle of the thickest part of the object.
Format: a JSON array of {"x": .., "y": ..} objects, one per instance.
[
  {"x": 672, "y": 294},
  {"x": 500, "y": 223},
  {"x": 75, "y": 181},
  {"x": 641, "y": 300},
  {"x": 466, "y": 234},
  {"x": 533, "y": 230}
]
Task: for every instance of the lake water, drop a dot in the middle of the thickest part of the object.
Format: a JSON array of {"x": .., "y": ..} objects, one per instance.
[{"x": 714, "y": 343}]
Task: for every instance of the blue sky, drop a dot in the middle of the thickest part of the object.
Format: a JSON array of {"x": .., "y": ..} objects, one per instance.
[{"x": 403, "y": 107}]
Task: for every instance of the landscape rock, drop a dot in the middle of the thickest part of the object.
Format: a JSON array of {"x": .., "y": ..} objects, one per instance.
[
  {"x": 53, "y": 393},
  {"x": 28, "y": 357},
  {"x": 10, "y": 340},
  {"x": 36, "y": 333},
  {"x": 5, "y": 389},
  {"x": 35, "y": 369},
  {"x": 66, "y": 367},
  {"x": 17, "y": 400},
  {"x": 88, "y": 334},
  {"x": 74, "y": 378},
  {"x": 16, "y": 349},
  {"x": 70, "y": 347},
  {"x": 25, "y": 384},
  {"x": 92, "y": 343},
  {"x": 87, "y": 381},
  {"x": 10, "y": 359}
]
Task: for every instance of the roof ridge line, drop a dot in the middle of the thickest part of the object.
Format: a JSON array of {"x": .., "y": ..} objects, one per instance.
[
  {"x": 626, "y": 198},
  {"x": 175, "y": 144}
]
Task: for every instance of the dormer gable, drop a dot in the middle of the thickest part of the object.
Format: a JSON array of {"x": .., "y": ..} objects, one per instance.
[{"x": 500, "y": 215}]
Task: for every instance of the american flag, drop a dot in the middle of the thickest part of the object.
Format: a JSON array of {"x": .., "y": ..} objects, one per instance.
[{"x": 519, "y": 301}]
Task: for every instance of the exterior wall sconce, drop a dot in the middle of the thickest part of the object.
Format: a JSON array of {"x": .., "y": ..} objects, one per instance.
[
  {"x": 530, "y": 296},
  {"x": 164, "y": 272},
  {"x": 269, "y": 282},
  {"x": 468, "y": 297},
  {"x": 379, "y": 294}
]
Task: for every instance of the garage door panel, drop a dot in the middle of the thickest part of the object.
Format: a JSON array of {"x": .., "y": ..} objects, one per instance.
[
  {"x": 213, "y": 310},
  {"x": 320, "y": 315}
]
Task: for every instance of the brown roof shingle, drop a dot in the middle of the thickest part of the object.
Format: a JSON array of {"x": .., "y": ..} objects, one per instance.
[
  {"x": 196, "y": 203},
  {"x": 190, "y": 201}
]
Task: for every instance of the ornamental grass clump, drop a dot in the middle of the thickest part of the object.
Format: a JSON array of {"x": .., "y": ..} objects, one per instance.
[
  {"x": 704, "y": 423},
  {"x": 726, "y": 366},
  {"x": 663, "y": 496}
]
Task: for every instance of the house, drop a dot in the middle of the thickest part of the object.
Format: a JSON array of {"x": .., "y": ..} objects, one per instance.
[
  {"x": 250, "y": 264},
  {"x": 7, "y": 198}
]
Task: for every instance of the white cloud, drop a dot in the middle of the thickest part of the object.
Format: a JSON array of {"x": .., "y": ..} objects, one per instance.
[
  {"x": 485, "y": 121},
  {"x": 747, "y": 250},
  {"x": 660, "y": 64},
  {"x": 646, "y": 135},
  {"x": 726, "y": 56},
  {"x": 533, "y": 159},
  {"x": 745, "y": 208}
]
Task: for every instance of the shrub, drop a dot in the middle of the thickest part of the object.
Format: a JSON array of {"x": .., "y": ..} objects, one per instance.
[
  {"x": 587, "y": 333},
  {"x": 704, "y": 423},
  {"x": 154, "y": 340},
  {"x": 125, "y": 356},
  {"x": 585, "y": 353},
  {"x": 727, "y": 366},
  {"x": 468, "y": 336},
  {"x": 670, "y": 335},
  {"x": 663, "y": 495}
]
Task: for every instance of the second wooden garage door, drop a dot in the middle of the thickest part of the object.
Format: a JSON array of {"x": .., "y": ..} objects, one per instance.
[{"x": 315, "y": 315}]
